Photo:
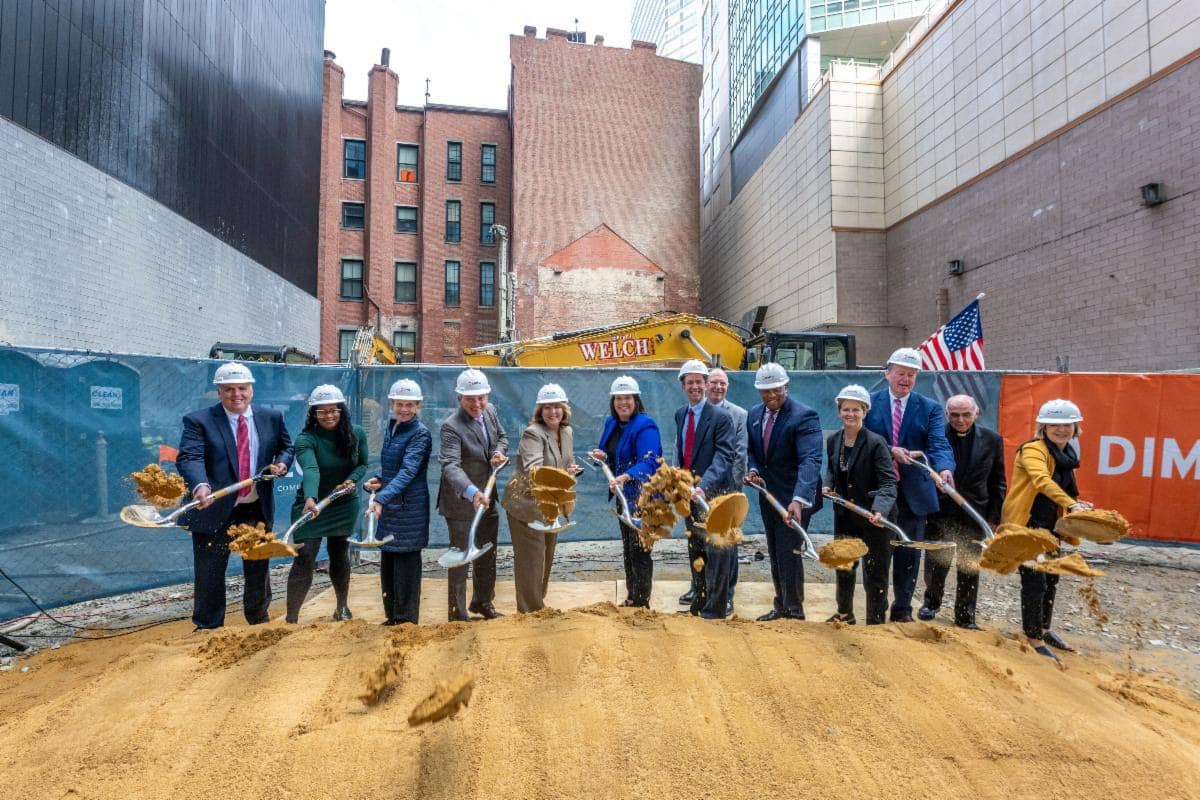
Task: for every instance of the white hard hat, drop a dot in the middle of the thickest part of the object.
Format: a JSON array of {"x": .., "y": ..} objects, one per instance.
[
  {"x": 624, "y": 385},
  {"x": 906, "y": 357},
  {"x": 472, "y": 382},
  {"x": 233, "y": 372},
  {"x": 325, "y": 394},
  {"x": 855, "y": 392},
  {"x": 551, "y": 393},
  {"x": 1059, "y": 412},
  {"x": 770, "y": 376},
  {"x": 693, "y": 367},
  {"x": 405, "y": 389}
]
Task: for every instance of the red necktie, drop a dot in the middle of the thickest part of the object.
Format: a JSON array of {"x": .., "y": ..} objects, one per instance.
[
  {"x": 243, "y": 453},
  {"x": 689, "y": 439},
  {"x": 770, "y": 426},
  {"x": 897, "y": 419}
]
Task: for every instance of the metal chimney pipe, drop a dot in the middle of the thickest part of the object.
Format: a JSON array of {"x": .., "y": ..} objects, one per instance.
[{"x": 385, "y": 58}]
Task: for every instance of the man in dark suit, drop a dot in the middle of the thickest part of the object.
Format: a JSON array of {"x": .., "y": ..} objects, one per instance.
[
  {"x": 718, "y": 387},
  {"x": 784, "y": 455},
  {"x": 908, "y": 420},
  {"x": 979, "y": 478},
  {"x": 705, "y": 446},
  {"x": 472, "y": 442},
  {"x": 222, "y": 445}
]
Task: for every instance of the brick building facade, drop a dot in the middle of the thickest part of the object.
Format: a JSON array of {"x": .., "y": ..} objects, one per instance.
[{"x": 598, "y": 188}]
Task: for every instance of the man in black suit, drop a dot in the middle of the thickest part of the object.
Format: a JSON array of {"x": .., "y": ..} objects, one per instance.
[
  {"x": 979, "y": 478},
  {"x": 705, "y": 445},
  {"x": 784, "y": 455},
  {"x": 222, "y": 445}
]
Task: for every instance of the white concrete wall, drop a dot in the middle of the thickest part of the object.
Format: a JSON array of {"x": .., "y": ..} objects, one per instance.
[
  {"x": 856, "y": 149},
  {"x": 998, "y": 75},
  {"x": 773, "y": 245},
  {"x": 88, "y": 262}
]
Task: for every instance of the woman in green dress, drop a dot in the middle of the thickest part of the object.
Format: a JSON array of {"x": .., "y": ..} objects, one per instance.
[{"x": 332, "y": 452}]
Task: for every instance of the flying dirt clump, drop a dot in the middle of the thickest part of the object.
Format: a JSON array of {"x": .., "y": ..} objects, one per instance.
[
  {"x": 255, "y": 542},
  {"x": 726, "y": 514},
  {"x": 665, "y": 497},
  {"x": 554, "y": 491},
  {"x": 842, "y": 553},
  {"x": 1013, "y": 545},
  {"x": 446, "y": 700},
  {"x": 1069, "y": 565},
  {"x": 1095, "y": 525},
  {"x": 158, "y": 488}
]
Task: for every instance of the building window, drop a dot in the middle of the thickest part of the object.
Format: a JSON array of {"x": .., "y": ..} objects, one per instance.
[
  {"x": 454, "y": 161},
  {"x": 487, "y": 164},
  {"x": 406, "y": 282},
  {"x": 487, "y": 283},
  {"x": 352, "y": 279},
  {"x": 453, "y": 220},
  {"x": 352, "y": 215},
  {"x": 452, "y": 283},
  {"x": 487, "y": 218},
  {"x": 406, "y": 219},
  {"x": 346, "y": 345},
  {"x": 406, "y": 163},
  {"x": 405, "y": 345},
  {"x": 354, "y": 159}
]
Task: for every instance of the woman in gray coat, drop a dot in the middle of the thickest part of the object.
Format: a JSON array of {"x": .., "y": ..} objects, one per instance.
[{"x": 547, "y": 442}]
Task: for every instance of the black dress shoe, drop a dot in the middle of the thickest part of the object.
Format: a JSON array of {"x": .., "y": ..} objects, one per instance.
[
  {"x": 793, "y": 615},
  {"x": 342, "y": 614},
  {"x": 627, "y": 603},
  {"x": 846, "y": 620},
  {"x": 925, "y": 613},
  {"x": 970, "y": 626},
  {"x": 687, "y": 597},
  {"x": 1054, "y": 640},
  {"x": 901, "y": 617},
  {"x": 485, "y": 610},
  {"x": 771, "y": 615}
]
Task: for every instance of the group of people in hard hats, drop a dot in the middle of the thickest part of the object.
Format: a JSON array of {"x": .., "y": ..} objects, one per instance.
[{"x": 778, "y": 445}]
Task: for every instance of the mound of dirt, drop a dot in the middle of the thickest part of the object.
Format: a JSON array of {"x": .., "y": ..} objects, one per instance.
[
  {"x": 159, "y": 488},
  {"x": 597, "y": 702},
  {"x": 842, "y": 553}
]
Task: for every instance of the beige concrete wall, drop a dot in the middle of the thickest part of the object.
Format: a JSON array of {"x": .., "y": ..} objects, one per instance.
[
  {"x": 856, "y": 147},
  {"x": 773, "y": 244},
  {"x": 996, "y": 76}
]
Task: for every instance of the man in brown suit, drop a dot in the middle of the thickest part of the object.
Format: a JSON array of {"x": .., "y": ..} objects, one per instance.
[{"x": 473, "y": 442}]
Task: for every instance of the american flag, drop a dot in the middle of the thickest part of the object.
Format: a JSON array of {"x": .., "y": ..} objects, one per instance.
[{"x": 958, "y": 344}]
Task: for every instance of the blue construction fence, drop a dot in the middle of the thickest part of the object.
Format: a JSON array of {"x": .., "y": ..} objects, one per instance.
[{"x": 74, "y": 425}]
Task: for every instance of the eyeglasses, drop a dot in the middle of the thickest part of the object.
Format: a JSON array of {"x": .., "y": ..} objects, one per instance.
[{"x": 333, "y": 412}]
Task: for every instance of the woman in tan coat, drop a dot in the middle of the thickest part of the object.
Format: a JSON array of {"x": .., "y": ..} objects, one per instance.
[{"x": 547, "y": 442}]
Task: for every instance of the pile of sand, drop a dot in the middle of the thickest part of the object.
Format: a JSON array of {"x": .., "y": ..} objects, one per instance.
[
  {"x": 159, "y": 488},
  {"x": 598, "y": 702}
]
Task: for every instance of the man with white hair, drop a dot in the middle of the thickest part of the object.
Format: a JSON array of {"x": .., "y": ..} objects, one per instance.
[
  {"x": 910, "y": 421},
  {"x": 979, "y": 478}
]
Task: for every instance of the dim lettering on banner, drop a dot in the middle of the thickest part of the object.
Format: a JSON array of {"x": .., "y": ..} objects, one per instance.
[
  {"x": 10, "y": 398},
  {"x": 107, "y": 397}
]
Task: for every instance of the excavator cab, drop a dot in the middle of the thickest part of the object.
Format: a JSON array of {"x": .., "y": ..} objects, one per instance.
[{"x": 804, "y": 351}]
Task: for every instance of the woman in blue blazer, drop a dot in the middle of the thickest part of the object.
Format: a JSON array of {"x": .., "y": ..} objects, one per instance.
[{"x": 631, "y": 445}]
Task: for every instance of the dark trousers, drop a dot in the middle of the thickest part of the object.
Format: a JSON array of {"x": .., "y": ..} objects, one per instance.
[
  {"x": 787, "y": 566},
  {"x": 906, "y": 561},
  {"x": 639, "y": 568},
  {"x": 720, "y": 567},
  {"x": 400, "y": 580},
  {"x": 874, "y": 577},
  {"x": 210, "y": 558},
  {"x": 305, "y": 564},
  {"x": 483, "y": 569},
  {"x": 1037, "y": 601},
  {"x": 949, "y": 528}
]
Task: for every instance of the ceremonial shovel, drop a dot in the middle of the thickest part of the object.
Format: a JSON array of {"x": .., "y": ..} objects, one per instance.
[
  {"x": 460, "y": 558},
  {"x": 146, "y": 516}
]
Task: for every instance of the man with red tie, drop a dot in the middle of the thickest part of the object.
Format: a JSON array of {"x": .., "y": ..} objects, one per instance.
[
  {"x": 784, "y": 447},
  {"x": 221, "y": 445},
  {"x": 705, "y": 446},
  {"x": 910, "y": 421}
]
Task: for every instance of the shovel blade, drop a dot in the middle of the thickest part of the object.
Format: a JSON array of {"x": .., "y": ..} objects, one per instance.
[
  {"x": 145, "y": 517},
  {"x": 558, "y": 526},
  {"x": 460, "y": 558}
]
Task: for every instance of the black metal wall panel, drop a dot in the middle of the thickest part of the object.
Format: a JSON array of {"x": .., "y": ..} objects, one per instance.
[{"x": 211, "y": 107}]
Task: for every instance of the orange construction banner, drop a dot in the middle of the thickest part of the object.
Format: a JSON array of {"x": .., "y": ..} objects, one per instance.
[{"x": 1140, "y": 447}]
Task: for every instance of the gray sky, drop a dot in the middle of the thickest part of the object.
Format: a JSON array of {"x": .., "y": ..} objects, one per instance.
[{"x": 461, "y": 45}]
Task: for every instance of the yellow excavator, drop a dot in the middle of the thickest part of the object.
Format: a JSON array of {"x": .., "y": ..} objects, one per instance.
[{"x": 667, "y": 339}]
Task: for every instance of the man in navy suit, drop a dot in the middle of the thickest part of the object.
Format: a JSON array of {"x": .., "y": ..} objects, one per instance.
[
  {"x": 908, "y": 420},
  {"x": 222, "y": 445},
  {"x": 705, "y": 445},
  {"x": 784, "y": 454}
]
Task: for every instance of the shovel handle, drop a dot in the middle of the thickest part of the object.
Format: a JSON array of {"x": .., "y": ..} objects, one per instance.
[
  {"x": 862, "y": 512},
  {"x": 809, "y": 550},
  {"x": 922, "y": 461},
  {"x": 246, "y": 484},
  {"x": 625, "y": 516}
]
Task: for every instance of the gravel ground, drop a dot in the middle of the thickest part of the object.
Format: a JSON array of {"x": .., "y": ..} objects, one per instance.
[{"x": 1144, "y": 617}]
